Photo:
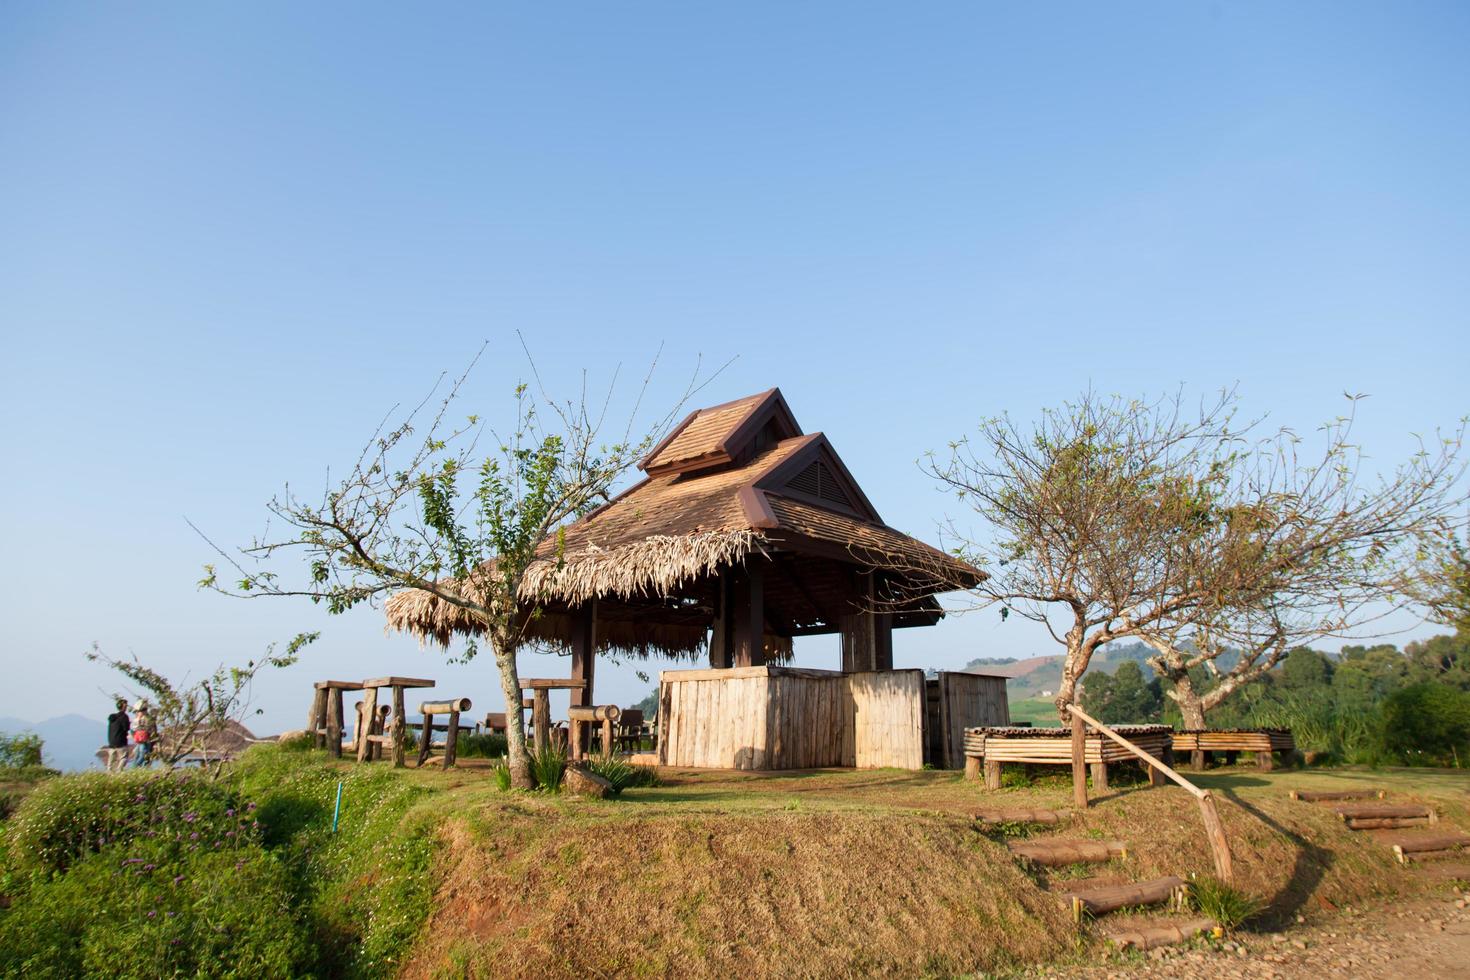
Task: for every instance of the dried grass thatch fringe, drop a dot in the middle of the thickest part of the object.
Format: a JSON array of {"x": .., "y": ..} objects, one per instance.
[{"x": 651, "y": 567}]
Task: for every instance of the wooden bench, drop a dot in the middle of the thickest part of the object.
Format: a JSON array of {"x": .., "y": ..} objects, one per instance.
[
  {"x": 1264, "y": 742},
  {"x": 992, "y": 747},
  {"x": 451, "y": 710}
]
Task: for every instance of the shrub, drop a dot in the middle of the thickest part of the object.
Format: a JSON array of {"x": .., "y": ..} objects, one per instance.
[
  {"x": 20, "y": 751},
  {"x": 1228, "y": 906},
  {"x": 500, "y": 772},
  {"x": 621, "y": 773},
  {"x": 220, "y": 914},
  {"x": 64, "y": 819}
]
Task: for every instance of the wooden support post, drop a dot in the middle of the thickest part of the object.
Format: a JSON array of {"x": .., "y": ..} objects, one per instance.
[
  {"x": 1263, "y": 760},
  {"x": 1100, "y": 776},
  {"x": 1197, "y": 760},
  {"x": 722, "y": 630},
  {"x": 972, "y": 767},
  {"x": 426, "y": 734},
  {"x": 750, "y": 615},
  {"x": 584, "y": 654},
  {"x": 541, "y": 718},
  {"x": 400, "y": 724},
  {"x": 1155, "y": 774},
  {"x": 1079, "y": 763},
  {"x": 992, "y": 774},
  {"x": 370, "y": 712},
  {"x": 607, "y": 738},
  {"x": 316, "y": 719},
  {"x": 575, "y": 748},
  {"x": 451, "y": 740},
  {"x": 334, "y": 723}
]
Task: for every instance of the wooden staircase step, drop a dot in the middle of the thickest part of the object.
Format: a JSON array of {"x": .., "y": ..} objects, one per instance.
[
  {"x": 1426, "y": 847},
  {"x": 1108, "y": 898},
  {"x": 1361, "y": 811},
  {"x": 1328, "y": 796},
  {"x": 1385, "y": 823},
  {"x": 1059, "y": 853},
  {"x": 1158, "y": 934},
  {"x": 1049, "y": 818}
]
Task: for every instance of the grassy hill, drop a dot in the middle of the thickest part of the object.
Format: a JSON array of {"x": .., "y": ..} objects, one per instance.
[{"x": 841, "y": 872}]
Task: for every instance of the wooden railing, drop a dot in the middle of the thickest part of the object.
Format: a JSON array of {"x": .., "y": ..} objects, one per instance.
[{"x": 1214, "y": 829}]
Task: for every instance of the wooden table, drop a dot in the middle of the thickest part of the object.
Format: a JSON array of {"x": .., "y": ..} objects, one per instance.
[
  {"x": 325, "y": 724},
  {"x": 400, "y": 715},
  {"x": 541, "y": 703}
]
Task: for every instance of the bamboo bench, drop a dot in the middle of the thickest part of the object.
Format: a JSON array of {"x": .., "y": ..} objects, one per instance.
[
  {"x": 1264, "y": 742},
  {"x": 992, "y": 747}
]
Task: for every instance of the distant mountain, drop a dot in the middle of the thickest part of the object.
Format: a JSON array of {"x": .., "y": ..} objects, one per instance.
[
  {"x": 1033, "y": 677},
  {"x": 71, "y": 741}
]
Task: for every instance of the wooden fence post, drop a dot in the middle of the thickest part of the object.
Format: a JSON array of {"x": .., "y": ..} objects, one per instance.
[{"x": 1079, "y": 763}]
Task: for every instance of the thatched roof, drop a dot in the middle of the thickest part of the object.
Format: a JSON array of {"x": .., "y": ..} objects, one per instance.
[{"x": 730, "y": 482}]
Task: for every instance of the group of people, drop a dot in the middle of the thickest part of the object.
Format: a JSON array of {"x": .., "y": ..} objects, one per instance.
[{"x": 136, "y": 734}]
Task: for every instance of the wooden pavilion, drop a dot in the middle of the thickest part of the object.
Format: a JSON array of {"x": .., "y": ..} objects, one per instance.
[{"x": 744, "y": 533}]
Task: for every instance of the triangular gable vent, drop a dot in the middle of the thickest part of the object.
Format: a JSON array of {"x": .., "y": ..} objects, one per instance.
[{"x": 818, "y": 481}]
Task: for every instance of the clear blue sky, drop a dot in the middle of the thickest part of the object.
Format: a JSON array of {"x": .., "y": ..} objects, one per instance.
[{"x": 234, "y": 235}]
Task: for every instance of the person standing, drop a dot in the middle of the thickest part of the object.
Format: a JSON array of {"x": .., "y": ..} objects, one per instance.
[
  {"x": 142, "y": 735},
  {"x": 118, "y": 726}
]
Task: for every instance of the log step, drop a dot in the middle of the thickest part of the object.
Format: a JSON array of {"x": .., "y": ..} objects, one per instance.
[
  {"x": 1060, "y": 853},
  {"x": 1328, "y": 796},
  {"x": 1107, "y": 898},
  {"x": 1385, "y": 823},
  {"x": 1166, "y": 934},
  {"x": 1426, "y": 847},
  {"x": 1048, "y": 818},
  {"x": 1359, "y": 811}
]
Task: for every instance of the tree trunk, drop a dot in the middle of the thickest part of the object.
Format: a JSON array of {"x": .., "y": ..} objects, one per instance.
[
  {"x": 519, "y": 762},
  {"x": 1191, "y": 706},
  {"x": 1073, "y": 667}
]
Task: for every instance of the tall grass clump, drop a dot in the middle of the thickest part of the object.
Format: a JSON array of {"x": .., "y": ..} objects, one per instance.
[
  {"x": 621, "y": 773},
  {"x": 1322, "y": 728},
  {"x": 548, "y": 764},
  {"x": 1228, "y": 906}
]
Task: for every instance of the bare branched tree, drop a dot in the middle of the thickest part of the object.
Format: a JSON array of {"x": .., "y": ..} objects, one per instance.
[
  {"x": 424, "y": 508},
  {"x": 1189, "y": 532},
  {"x": 190, "y": 716},
  {"x": 1094, "y": 513}
]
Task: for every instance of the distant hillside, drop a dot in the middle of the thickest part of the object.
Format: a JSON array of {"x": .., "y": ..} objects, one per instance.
[
  {"x": 71, "y": 741},
  {"x": 1032, "y": 677}
]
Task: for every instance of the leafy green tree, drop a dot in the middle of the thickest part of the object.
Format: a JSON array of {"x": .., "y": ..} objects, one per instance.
[
  {"x": 1364, "y": 676},
  {"x": 1428, "y": 720},
  {"x": 1441, "y": 659},
  {"x": 431, "y": 511},
  {"x": 1124, "y": 697}
]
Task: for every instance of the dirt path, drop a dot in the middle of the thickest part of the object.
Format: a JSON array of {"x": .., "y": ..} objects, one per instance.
[{"x": 1426, "y": 937}]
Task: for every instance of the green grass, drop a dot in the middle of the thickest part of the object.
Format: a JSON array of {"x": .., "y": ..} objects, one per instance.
[{"x": 1040, "y": 712}]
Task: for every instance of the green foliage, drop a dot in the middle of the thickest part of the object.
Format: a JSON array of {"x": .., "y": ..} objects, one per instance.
[
  {"x": 66, "y": 819},
  {"x": 1124, "y": 697},
  {"x": 500, "y": 772},
  {"x": 1428, "y": 723},
  {"x": 172, "y": 874},
  {"x": 486, "y": 745},
  {"x": 621, "y": 773},
  {"x": 548, "y": 764},
  {"x": 20, "y": 751},
  {"x": 1229, "y": 907},
  {"x": 215, "y": 915}
]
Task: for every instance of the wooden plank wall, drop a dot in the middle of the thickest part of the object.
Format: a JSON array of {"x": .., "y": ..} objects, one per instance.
[
  {"x": 968, "y": 701},
  {"x": 789, "y": 718},
  {"x": 888, "y": 718}
]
